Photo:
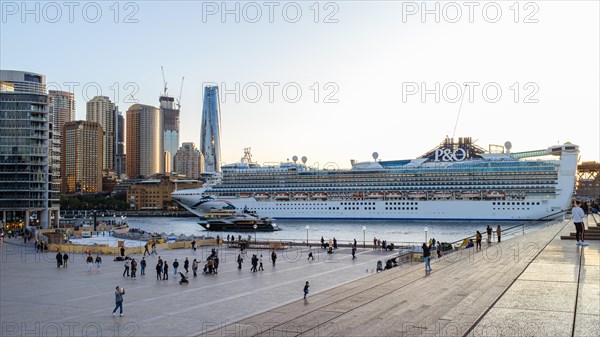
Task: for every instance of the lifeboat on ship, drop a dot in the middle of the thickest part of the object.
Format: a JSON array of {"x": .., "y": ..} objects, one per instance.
[
  {"x": 375, "y": 195},
  {"x": 319, "y": 196},
  {"x": 300, "y": 196},
  {"x": 260, "y": 196},
  {"x": 357, "y": 195},
  {"x": 244, "y": 195},
  {"x": 442, "y": 194},
  {"x": 495, "y": 194},
  {"x": 282, "y": 196},
  {"x": 394, "y": 194},
  {"x": 470, "y": 194},
  {"x": 417, "y": 195}
]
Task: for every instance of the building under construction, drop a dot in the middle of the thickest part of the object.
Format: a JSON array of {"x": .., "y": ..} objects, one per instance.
[{"x": 588, "y": 180}]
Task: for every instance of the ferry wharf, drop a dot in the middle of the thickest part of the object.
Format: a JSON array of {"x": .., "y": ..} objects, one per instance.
[{"x": 532, "y": 285}]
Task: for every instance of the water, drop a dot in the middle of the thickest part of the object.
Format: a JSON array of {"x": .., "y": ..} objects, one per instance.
[{"x": 342, "y": 230}]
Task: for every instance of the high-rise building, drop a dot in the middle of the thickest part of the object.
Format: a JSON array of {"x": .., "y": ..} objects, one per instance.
[
  {"x": 62, "y": 108},
  {"x": 210, "y": 138},
  {"x": 81, "y": 161},
  {"x": 171, "y": 129},
  {"x": 145, "y": 146},
  {"x": 188, "y": 161},
  {"x": 120, "y": 169},
  {"x": 104, "y": 112},
  {"x": 26, "y": 195}
]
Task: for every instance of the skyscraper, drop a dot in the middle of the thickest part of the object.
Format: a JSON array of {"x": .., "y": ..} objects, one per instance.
[
  {"x": 81, "y": 161},
  {"x": 104, "y": 112},
  {"x": 120, "y": 146},
  {"x": 25, "y": 145},
  {"x": 171, "y": 129},
  {"x": 188, "y": 161},
  {"x": 210, "y": 138},
  {"x": 145, "y": 146},
  {"x": 62, "y": 110}
]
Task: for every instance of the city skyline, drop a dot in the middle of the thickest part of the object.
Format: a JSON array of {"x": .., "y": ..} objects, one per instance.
[{"x": 372, "y": 67}]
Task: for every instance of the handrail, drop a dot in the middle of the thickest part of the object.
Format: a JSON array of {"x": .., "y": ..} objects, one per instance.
[{"x": 506, "y": 230}]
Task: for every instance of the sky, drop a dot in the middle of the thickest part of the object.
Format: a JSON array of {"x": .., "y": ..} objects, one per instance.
[{"x": 331, "y": 80}]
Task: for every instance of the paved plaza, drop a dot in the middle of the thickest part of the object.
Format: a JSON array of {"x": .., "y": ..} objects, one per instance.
[{"x": 37, "y": 299}]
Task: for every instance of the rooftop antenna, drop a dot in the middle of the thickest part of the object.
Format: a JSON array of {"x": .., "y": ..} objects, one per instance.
[
  {"x": 164, "y": 82},
  {"x": 462, "y": 97},
  {"x": 180, "y": 91}
]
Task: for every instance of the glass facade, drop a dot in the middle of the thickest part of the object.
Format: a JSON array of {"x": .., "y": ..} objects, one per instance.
[
  {"x": 210, "y": 138},
  {"x": 171, "y": 129}
]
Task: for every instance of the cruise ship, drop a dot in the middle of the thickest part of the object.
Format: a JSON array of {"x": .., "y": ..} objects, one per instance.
[{"x": 456, "y": 180}]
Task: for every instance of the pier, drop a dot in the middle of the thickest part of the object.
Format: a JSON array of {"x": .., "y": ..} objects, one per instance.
[{"x": 531, "y": 285}]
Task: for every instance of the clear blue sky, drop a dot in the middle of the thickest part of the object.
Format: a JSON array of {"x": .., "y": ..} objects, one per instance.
[{"x": 377, "y": 56}]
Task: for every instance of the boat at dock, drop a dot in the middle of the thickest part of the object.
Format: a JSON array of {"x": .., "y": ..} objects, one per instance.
[{"x": 230, "y": 220}]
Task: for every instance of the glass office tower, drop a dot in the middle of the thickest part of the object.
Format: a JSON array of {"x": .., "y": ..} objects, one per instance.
[{"x": 210, "y": 138}]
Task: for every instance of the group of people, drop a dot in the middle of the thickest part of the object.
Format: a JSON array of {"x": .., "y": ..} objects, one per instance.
[
  {"x": 132, "y": 264},
  {"x": 379, "y": 244}
]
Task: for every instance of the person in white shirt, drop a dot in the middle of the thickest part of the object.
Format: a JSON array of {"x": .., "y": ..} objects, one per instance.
[{"x": 578, "y": 216}]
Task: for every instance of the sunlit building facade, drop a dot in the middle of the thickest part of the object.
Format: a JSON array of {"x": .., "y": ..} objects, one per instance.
[
  {"x": 81, "y": 157},
  {"x": 145, "y": 145}
]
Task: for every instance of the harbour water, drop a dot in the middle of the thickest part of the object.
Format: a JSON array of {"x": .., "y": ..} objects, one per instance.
[{"x": 343, "y": 230}]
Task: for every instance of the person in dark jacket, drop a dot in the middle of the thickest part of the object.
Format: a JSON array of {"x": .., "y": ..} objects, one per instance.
[
  {"x": 143, "y": 266},
  {"x": 119, "y": 301},
  {"x": 427, "y": 256},
  {"x": 65, "y": 260},
  {"x": 59, "y": 259},
  {"x": 186, "y": 265},
  {"x": 158, "y": 271},
  {"x": 175, "y": 266},
  {"x": 165, "y": 270},
  {"x": 273, "y": 257}
]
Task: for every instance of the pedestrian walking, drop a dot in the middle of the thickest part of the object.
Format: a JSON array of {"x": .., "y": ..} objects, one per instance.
[
  {"x": 195, "y": 267},
  {"x": 273, "y": 258},
  {"x": 239, "y": 261},
  {"x": 489, "y": 234},
  {"x": 254, "y": 262},
  {"x": 578, "y": 216},
  {"x": 498, "y": 232},
  {"x": 322, "y": 243},
  {"x": 90, "y": 262},
  {"x": 126, "y": 271},
  {"x": 374, "y": 243},
  {"x": 427, "y": 256},
  {"x": 186, "y": 265},
  {"x": 59, "y": 258},
  {"x": 334, "y": 243},
  {"x": 310, "y": 254},
  {"x": 158, "y": 271},
  {"x": 119, "y": 301},
  {"x": 354, "y": 243},
  {"x": 133, "y": 268},
  {"x": 143, "y": 266},
  {"x": 175, "y": 266},
  {"x": 65, "y": 260},
  {"x": 154, "y": 247},
  {"x": 260, "y": 263},
  {"x": 98, "y": 262},
  {"x": 165, "y": 270},
  {"x": 478, "y": 240},
  {"x": 146, "y": 249},
  {"x": 160, "y": 262},
  {"x": 122, "y": 251},
  {"x": 194, "y": 245},
  {"x": 306, "y": 285},
  {"x": 438, "y": 249},
  {"x": 353, "y": 253},
  {"x": 216, "y": 264}
]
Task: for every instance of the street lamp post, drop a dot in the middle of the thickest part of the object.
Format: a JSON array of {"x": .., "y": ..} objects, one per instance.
[
  {"x": 426, "y": 230},
  {"x": 307, "y": 228},
  {"x": 364, "y": 228},
  {"x": 255, "y": 227}
]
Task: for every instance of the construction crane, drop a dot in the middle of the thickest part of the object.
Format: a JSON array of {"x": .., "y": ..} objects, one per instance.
[
  {"x": 180, "y": 92},
  {"x": 164, "y": 81}
]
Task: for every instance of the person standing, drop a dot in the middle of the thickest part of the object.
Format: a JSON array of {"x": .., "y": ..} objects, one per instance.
[
  {"x": 306, "y": 285},
  {"x": 122, "y": 251},
  {"x": 578, "y": 216},
  {"x": 353, "y": 253},
  {"x": 133, "y": 268},
  {"x": 195, "y": 267},
  {"x": 498, "y": 232},
  {"x": 146, "y": 249},
  {"x": 143, "y": 266},
  {"x": 126, "y": 271},
  {"x": 160, "y": 262},
  {"x": 489, "y": 234},
  {"x": 239, "y": 261},
  {"x": 186, "y": 265},
  {"x": 165, "y": 270},
  {"x": 119, "y": 301},
  {"x": 438, "y": 249},
  {"x": 175, "y": 266},
  {"x": 158, "y": 271},
  {"x": 254, "y": 262},
  {"x": 374, "y": 243},
  {"x": 90, "y": 261},
  {"x": 154, "y": 247},
  {"x": 260, "y": 263},
  {"x": 59, "y": 259},
  {"x": 478, "y": 240},
  {"x": 354, "y": 243},
  {"x": 334, "y": 243},
  {"x": 273, "y": 257},
  {"x": 65, "y": 260},
  {"x": 194, "y": 245},
  {"x": 98, "y": 262},
  {"x": 216, "y": 264},
  {"x": 427, "y": 256}
]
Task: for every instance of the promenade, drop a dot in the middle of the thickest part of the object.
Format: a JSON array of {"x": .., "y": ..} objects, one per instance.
[{"x": 532, "y": 285}]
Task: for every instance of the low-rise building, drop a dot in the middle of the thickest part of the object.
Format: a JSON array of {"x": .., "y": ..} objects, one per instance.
[{"x": 155, "y": 193}]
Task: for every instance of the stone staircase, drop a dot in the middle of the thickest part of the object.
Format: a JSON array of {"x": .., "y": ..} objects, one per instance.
[{"x": 592, "y": 231}]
